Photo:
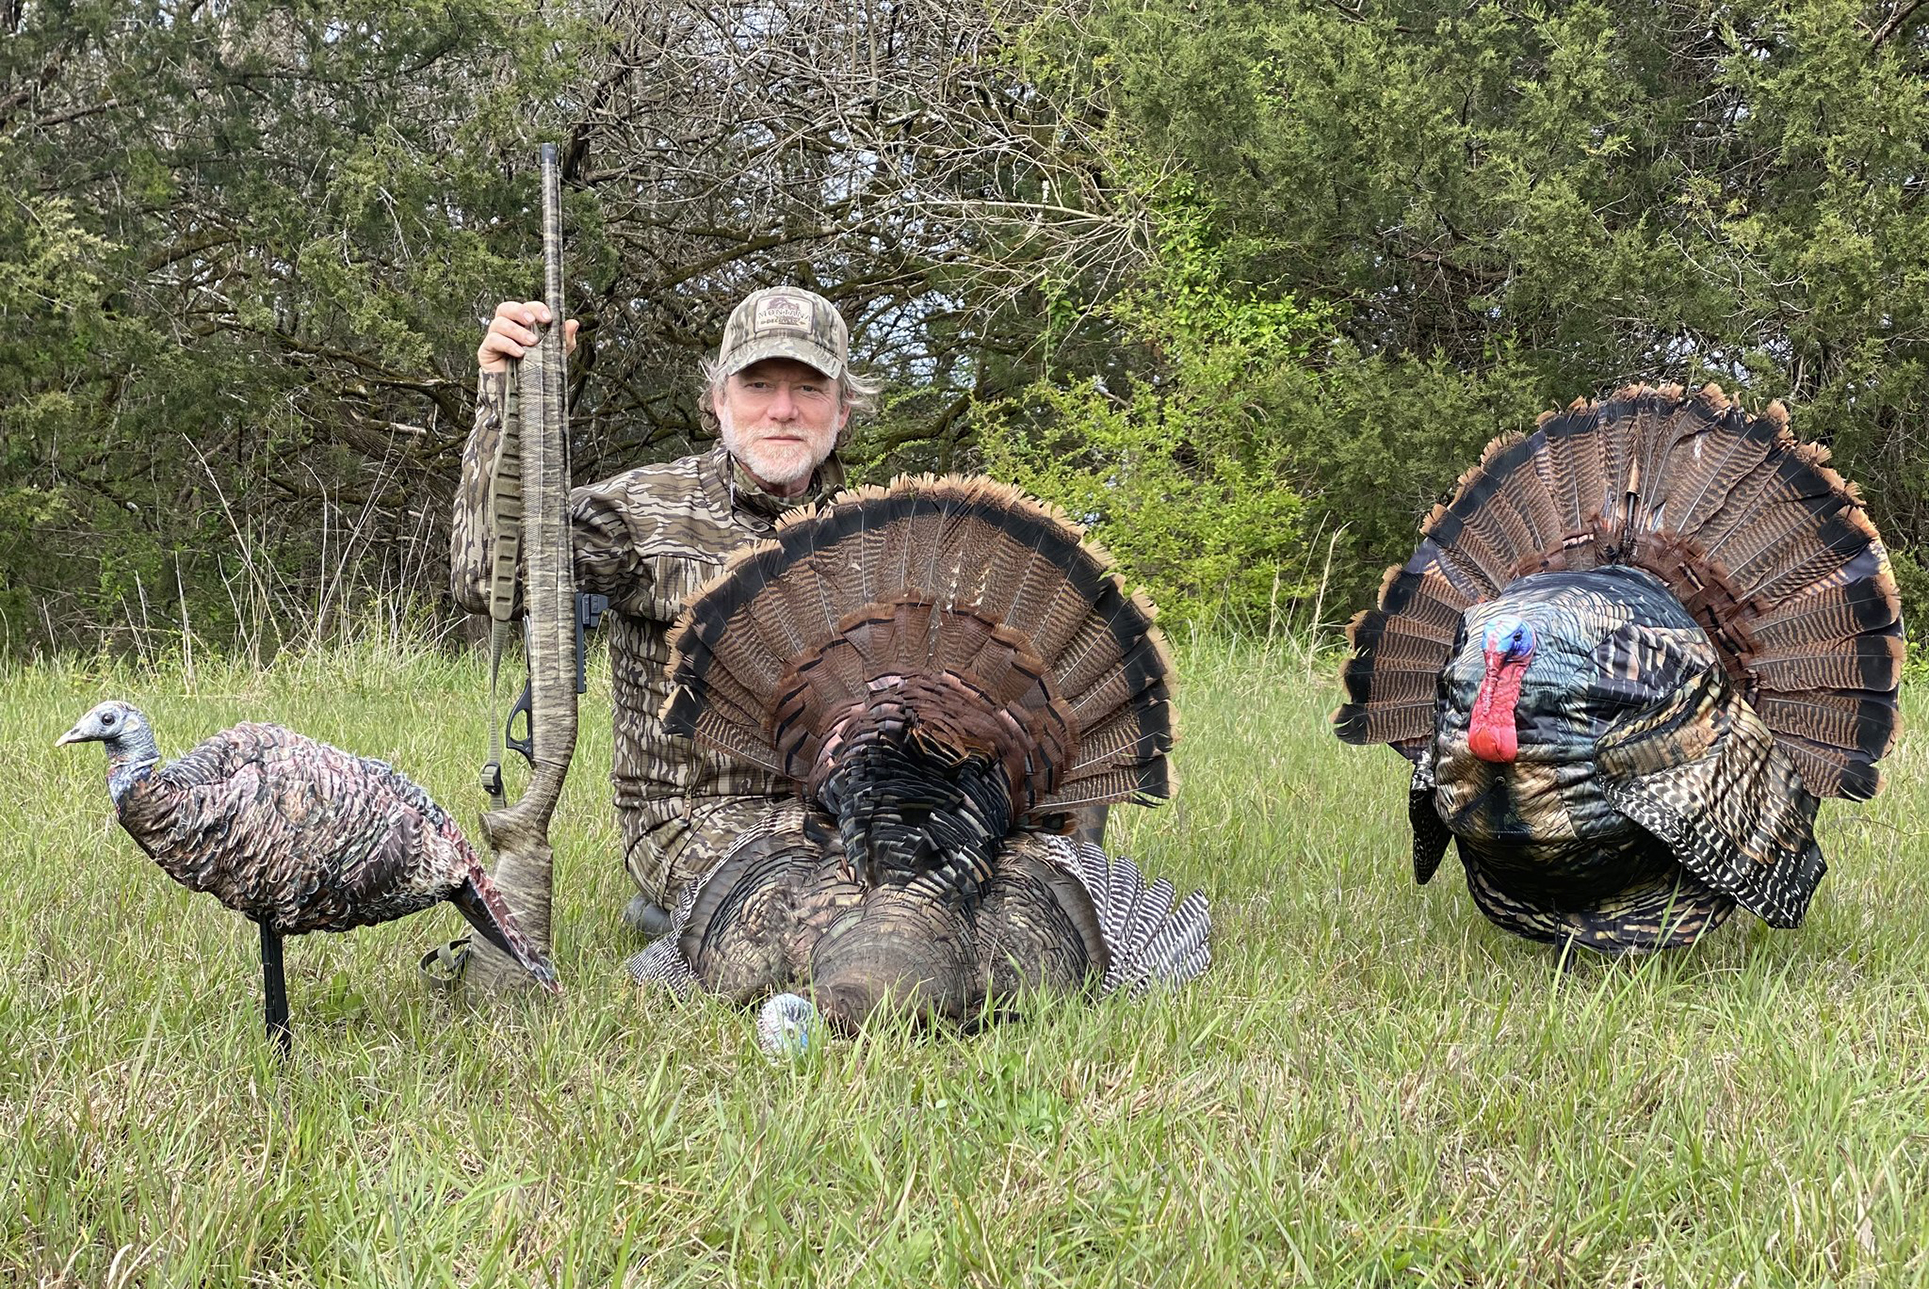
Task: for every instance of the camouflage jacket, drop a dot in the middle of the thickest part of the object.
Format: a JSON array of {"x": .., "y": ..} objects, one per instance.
[{"x": 648, "y": 539}]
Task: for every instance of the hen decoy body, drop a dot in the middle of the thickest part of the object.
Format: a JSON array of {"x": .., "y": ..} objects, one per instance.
[
  {"x": 1626, "y": 660},
  {"x": 944, "y": 671},
  {"x": 296, "y": 835}
]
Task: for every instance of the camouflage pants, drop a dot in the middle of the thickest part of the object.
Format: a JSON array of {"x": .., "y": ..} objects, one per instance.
[{"x": 667, "y": 855}]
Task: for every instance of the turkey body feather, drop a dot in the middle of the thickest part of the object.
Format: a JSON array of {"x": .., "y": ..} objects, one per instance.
[
  {"x": 296, "y": 833},
  {"x": 1627, "y": 658},
  {"x": 945, "y": 670}
]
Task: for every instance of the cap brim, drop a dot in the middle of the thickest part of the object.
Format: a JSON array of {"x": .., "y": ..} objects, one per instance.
[{"x": 799, "y": 348}]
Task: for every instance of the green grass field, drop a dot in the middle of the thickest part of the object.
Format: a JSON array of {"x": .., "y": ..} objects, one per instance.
[{"x": 1372, "y": 1085}]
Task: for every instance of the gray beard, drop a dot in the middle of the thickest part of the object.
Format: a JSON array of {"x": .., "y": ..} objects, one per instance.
[{"x": 727, "y": 430}]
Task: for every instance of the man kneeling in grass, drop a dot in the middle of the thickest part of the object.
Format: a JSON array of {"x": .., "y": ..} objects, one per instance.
[{"x": 783, "y": 393}]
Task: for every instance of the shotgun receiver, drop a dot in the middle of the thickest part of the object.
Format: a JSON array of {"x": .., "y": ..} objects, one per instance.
[{"x": 589, "y": 611}]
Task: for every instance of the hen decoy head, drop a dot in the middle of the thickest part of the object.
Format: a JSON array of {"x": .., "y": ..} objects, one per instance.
[
  {"x": 129, "y": 739},
  {"x": 112, "y": 722}
]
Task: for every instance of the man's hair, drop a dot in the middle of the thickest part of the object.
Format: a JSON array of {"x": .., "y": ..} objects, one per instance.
[{"x": 859, "y": 393}]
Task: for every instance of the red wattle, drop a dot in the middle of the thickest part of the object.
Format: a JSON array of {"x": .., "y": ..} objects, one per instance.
[{"x": 1491, "y": 734}]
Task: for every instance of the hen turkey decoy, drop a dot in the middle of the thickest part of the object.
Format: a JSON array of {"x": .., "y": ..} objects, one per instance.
[
  {"x": 297, "y": 835},
  {"x": 945, "y": 671},
  {"x": 1626, "y": 660}
]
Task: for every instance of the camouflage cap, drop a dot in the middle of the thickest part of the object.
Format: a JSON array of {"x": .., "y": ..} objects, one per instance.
[{"x": 785, "y": 322}]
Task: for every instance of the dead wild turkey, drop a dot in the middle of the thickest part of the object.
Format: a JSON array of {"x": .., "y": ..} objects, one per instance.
[
  {"x": 944, "y": 671},
  {"x": 297, "y": 835},
  {"x": 1628, "y": 657}
]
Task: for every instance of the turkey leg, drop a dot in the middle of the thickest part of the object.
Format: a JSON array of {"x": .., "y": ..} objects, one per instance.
[{"x": 275, "y": 988}]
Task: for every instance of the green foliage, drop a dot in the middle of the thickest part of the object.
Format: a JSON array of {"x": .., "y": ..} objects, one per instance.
[
  {"x": 1239, "y": 280},
  {"x": 1912, "y": 580},
  {"x": 242, "y": 248},
  {"x": 54, "y": 329},
  {"x": 299, "y": 214},
  {"x": 1507, "y": 208},
  {"x": 1180, "y": 473}
]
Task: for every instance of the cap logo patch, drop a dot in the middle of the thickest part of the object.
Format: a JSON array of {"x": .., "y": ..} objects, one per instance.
[{"x": 786, "y": 311}]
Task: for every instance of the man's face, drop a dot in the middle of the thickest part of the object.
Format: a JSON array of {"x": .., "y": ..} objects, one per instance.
[{"x": 780, "y": 418}]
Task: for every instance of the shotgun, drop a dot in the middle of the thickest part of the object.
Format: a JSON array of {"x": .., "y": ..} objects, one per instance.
[{"x": 533, "y": 529}]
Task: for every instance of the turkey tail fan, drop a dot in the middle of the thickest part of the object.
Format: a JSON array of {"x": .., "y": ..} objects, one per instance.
[
  {"x": 982, "y": 610},
  {"x": 1399, "y": 650},
  {"x": 1765, "y": 545},
  {"x": 1148, "y": 940}
]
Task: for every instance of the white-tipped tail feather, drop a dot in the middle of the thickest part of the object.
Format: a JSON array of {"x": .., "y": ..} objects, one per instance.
[
  {"x": 662, "y": 962},
  {"x": 1151, "y": 942}
]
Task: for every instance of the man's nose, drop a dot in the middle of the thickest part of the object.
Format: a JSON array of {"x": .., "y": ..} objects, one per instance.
[{"x": 782, "y": 405}]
